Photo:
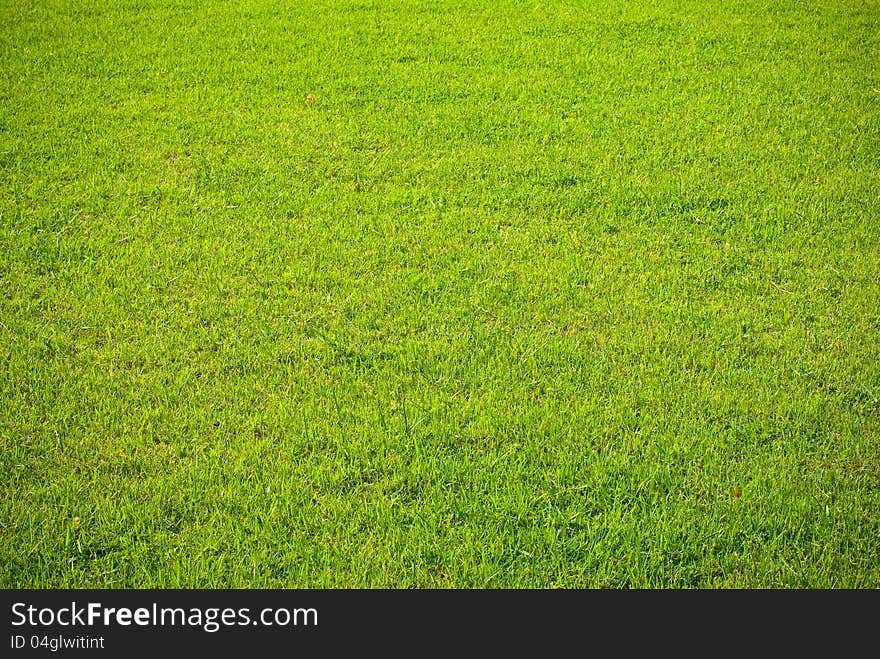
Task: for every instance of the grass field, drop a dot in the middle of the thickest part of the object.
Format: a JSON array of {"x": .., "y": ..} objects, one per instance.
[{"x": 440, "y": 293}]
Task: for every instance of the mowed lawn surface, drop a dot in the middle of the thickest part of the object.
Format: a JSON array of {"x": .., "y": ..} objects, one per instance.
[{"x": 440, "y": 293}]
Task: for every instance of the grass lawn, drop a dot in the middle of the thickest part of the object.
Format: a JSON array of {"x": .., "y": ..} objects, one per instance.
[{"x": 440, "y": 293}]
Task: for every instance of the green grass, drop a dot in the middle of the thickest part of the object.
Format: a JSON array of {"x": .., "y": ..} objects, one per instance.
[{"x": 440, "y": 293}]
